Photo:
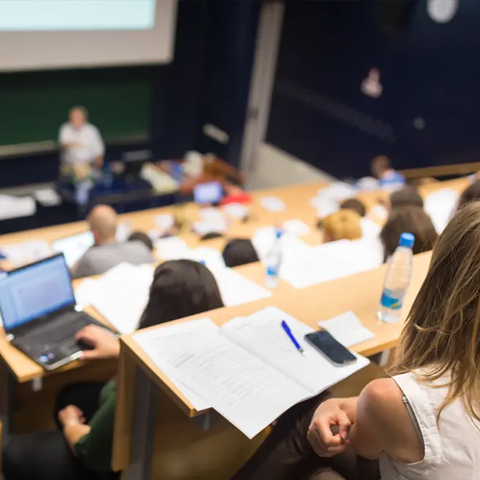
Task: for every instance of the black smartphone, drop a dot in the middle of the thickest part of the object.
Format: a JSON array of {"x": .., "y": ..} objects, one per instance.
[{"x": 330, "y": 348}]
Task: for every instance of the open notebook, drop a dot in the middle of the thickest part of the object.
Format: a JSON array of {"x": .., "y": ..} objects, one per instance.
[{"x": 247, "y": 370}]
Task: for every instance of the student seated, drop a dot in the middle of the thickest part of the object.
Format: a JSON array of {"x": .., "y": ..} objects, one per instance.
[
  {"x": 470, "y": 194},
  {"x": 344, "y": 224},
  {"x": 355, "y": 205},
  {"x": 408, "y": 219},
  {"x": 387, "y": 176},
  {"x": 424, "y": 422},
  {"x": 85, "y": 412},
  {"x": 239, "y": 251},
  {"x": 107, "y": 252},
  {"x": 141, "y": 237},
  {"x": 404, "y": 197}
]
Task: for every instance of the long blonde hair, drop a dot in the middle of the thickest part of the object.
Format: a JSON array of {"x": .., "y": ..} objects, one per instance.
[{"x": 442, "y": 332}]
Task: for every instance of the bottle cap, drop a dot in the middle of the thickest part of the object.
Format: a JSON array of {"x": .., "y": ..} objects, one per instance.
[
  {"x": 407, "y": 240},
  {"x": 279, "y": 233}
]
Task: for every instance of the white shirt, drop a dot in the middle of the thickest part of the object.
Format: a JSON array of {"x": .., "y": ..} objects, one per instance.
[
  {"x": 452, "y": 448},
  {"x": 90, "y": 144}
]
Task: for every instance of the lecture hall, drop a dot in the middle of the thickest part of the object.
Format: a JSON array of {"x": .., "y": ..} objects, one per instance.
[{"x": 239, "y": 240}]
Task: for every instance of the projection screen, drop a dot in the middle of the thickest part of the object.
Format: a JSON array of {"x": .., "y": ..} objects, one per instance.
[{"x": 51, "y": 34}]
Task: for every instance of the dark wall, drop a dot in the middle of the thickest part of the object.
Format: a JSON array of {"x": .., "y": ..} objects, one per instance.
[
  {"x": 428, "y": 111},
  {"x": 207, "y": 82}
]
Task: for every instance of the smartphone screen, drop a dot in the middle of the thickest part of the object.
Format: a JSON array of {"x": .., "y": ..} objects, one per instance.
[{"x": 332, "y": 349}]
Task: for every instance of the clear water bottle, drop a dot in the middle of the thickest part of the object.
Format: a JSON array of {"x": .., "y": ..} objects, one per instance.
[
  {"x": 397, "y": 280},
  {"x": 273, "y": 261}
]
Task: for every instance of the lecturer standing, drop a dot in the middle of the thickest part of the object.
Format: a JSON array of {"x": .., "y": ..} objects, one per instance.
[{"x": 82, "y": 145}]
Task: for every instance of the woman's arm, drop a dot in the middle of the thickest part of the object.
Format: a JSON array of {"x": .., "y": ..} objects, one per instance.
[{"x": 73, "y": 423}]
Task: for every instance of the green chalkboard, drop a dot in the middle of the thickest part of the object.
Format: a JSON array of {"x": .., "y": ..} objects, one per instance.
[{"x": 33, "y": 105}]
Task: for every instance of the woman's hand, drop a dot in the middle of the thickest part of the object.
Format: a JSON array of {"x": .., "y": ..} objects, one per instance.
[
  {"x": 104, "y": 343},
  {"x": 324, "y": 442},
  {"x": 71, "y": 415}
]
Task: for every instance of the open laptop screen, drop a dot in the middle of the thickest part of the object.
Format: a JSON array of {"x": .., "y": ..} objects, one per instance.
[
  {"x": 207, "y": 193},
  {"x": 35, "y": 290},
  {"x": 74, "y": 247}
]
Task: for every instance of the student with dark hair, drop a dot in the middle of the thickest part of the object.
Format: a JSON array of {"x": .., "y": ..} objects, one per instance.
[
  {"x": 406, "y": 196},
  {"x": 470, "y": 194},
  {"x": 387, "y": 177},
  {"x": 85, "y": 412},
  {"x": 355, "y": 205},
  {"x": 408, "y": 219},
  {"x": 239, "y": 251},
  {"x": 141, "y": 237}
]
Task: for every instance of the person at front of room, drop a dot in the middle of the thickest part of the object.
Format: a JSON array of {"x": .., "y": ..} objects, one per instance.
[
  {"x": 107, "y": 252},
  {"x": 82, "y": 146},
  {"x": 424, "y": 422},
  {"x": 85, "y": 412},
  {"x": 388, "y": 178}
]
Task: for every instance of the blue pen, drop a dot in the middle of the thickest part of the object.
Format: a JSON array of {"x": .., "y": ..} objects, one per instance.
[{"x": 292, "y": 338}]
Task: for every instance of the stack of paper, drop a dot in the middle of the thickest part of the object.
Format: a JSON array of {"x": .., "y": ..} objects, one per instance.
[
  {"x": 22, "y": 253},
  {"x": 121, "y": 295},
  {"x": 248, "y": 370},
  {"x": 347, "y": 329},
  {"x": 15, "y": 207},
  {"x": 441, "y": 206}
]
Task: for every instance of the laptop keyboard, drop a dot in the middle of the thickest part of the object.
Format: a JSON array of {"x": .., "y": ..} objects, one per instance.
[{"x": 46, "y": 338}]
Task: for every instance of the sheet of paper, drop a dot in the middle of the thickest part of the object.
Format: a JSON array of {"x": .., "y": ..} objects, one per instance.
[
  {"x": 296, "y": 227},
  {"x": 237, "y": 289},
  {"x": 347, "y": 329},
  {"x": 171, "y": 248},
  {"x": 212, "y": 225},
  {"x": 324, "y": 206},
  {"x": 16, "y": 207},
  {"x": 166, "y": 347},
  {"x": 122, "y": 295},
  {"x": 208, "y": 213},
  {"x": 370, "y": 229},
  {"x": 261, "y": 334},
  {"x": 164, "y": 222},
  {"x": 272, "y": 204},
  {"x": 210, "y": 257},
  {"x": 380, "y": 212},
  {"x": 236, "y": 210},
  {"x": 123, "y": 231},
  {"x": 441, "y": 206},
  {"x": 292, "y": 246},
  {"x": 19, "y": 254},
  {"x": 85, "y": 291},
  {"x": 247, "y": 392}
]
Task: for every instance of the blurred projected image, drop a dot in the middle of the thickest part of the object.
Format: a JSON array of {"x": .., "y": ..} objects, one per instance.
[{"x": 77, "y": 15}]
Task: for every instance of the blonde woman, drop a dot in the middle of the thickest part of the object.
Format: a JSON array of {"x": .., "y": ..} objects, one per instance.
[
  {"x": 424, "y": 422},
  {"x": 342, "y": 225}
]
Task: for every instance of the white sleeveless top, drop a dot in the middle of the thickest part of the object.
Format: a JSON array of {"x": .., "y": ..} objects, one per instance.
[{"x": 452, "y": 449}]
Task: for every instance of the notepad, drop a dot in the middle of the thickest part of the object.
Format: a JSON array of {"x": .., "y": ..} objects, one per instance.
[
  {"x": 247, "y": 370},
  {"x": 347, "y": 329}
]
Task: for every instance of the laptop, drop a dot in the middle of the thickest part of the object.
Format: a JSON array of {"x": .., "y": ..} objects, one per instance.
[
  {"x": 74, "y": 247},
  {"x": 39, "y": 312},
  {"x": 208, "y": 193}
]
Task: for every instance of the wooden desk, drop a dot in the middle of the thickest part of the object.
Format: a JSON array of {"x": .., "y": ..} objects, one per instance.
[{"x": 133, "y": 442}]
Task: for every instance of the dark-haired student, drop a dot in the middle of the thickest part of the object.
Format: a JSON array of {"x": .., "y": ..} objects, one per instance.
[
  {"x": 82, "y": 449},
  {"x": 355, "y": 205},
  {"x": 408, "y": 219},
  {"x": 382, "y": 169},
  {"x": 424, "y": 421},
  {"x": 239, "y": 251},
  {"x": 470, "y": 194},
  {"x": 141, "y": 237},
  {"x": 407, "y": 196}
]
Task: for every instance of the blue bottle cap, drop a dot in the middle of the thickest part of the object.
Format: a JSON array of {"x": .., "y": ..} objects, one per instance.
[
  {"x": 407, "y": 240},
  {"x": 279, "y": 233}
]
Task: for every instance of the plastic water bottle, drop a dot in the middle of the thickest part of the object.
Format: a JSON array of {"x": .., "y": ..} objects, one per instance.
[
  {"x": 273, "y": 261},
  {"x": 397, "y": 281}
]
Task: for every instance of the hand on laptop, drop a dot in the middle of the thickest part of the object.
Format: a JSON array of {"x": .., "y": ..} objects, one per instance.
[{"x": 104, "y": 344}]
